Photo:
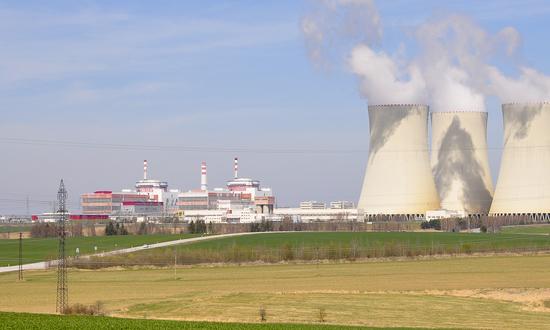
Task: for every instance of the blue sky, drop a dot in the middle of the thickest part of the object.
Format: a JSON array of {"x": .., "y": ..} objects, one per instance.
[{"x": 231, "y": 74}]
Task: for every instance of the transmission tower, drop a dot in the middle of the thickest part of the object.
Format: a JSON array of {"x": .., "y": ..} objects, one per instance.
[
  {"x": 62, "y": 289},
  {"x": 20, "y": 256}
]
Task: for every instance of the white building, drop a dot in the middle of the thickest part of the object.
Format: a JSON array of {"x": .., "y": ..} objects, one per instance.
[
  {"x": 309, "y": 205},
  {"x": 342, "y": 205},
  {"x": 317, "y": 215},
  {"x": 444, "y": 214}
]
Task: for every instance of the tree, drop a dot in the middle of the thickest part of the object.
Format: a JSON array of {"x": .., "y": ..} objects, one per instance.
[
  {"x": 110, "y": 229},
  {"x": 42, "y": 230},
  {"x": 210, "y": 228},
  {"x": 142, "y": 230}
]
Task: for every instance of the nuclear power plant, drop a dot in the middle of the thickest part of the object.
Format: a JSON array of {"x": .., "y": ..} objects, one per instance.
[
  {"x": 398, "y": 179},
  {"x": 460, "y": 163},
  {"x": 523, "y": 185}
]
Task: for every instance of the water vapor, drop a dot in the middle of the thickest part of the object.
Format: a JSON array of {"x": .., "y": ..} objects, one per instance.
[{"x": 453, "y": 68}]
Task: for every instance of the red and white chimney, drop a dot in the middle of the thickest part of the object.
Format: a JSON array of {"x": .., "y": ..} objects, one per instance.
[
  {"x": 145, "y": 169},
  {"x": 204, "y": 182},
  {"x": 236, "y": 167}
]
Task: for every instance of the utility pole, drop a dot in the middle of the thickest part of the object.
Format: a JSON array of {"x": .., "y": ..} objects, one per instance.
[
  {"x": 27, "y": 206},
  {"x": 62, "y": 289},
  {"x": 20, "y": 256},
  {"x": 175, "y": 262}
]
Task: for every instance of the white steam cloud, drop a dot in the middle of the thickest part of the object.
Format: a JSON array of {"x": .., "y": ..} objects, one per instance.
[
  {"x": 333, "y": 23},
  {"x": 382, "y": 79},
  {"x": 452, "y": 70}
]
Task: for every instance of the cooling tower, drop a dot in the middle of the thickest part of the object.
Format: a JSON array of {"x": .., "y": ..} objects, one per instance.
[
  {"x": 460, "y": 164},
  {"x": 398, "y": 179},
  {"x": 523, "y": 184}
]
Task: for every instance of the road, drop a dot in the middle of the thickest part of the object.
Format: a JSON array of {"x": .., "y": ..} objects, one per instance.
[{"x": 47, "y": 264}]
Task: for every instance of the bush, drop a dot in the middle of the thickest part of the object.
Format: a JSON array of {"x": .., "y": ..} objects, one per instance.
[
  {"x": 112, "y": 229},
  {"x": 81, "y": 309},
  {"x": 43, "y": 230},
  {"x": 467, "y": 248},
  {"x": 198, "y": 227},
  {"x": 322, "y": 315},
  {"x": 432, "y": 224}
]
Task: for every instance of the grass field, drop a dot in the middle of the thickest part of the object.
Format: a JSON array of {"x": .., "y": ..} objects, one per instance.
[
  {"x": 527, "y": 229},
  {"x": 40, "y": 321},
  {"x": 276, "y": 247},
  {"x": 508, "y": 292},
  {"x": 40, "y": 249},
  {"x": 14, "y": 228}
]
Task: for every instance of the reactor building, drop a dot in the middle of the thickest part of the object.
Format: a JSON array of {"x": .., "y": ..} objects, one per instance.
[
  {"x": 398, "y": 180},
  {"x": 460, "y": 163},
  {"x": 523, "y": 186}
]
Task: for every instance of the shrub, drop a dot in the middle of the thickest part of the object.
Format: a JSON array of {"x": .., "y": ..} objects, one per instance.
[
  {"x": 322, "y": 315},
  {"x": 432, "y": 224},
  {"x": 81, "y": 309},
  {"x": 112, "y": 229},
  {"x": 43, "y": 230}
]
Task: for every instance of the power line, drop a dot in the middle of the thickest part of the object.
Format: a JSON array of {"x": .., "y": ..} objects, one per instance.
[
  {"x": 182, "y": 148},
  {"x": 234, "y": 149}
]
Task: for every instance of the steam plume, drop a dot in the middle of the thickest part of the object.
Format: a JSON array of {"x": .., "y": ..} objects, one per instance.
[{"x": 453, "y": 69}]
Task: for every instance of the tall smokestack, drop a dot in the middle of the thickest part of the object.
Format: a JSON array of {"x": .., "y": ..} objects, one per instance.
[
  {"x": 204, "y": 183},
  {"x": 145, "y": 169},
  {"x": 236, "y": 167}
]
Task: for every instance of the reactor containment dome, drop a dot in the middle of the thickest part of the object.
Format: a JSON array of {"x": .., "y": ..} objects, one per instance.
[
  {"x": 460, "y": 163},
  {"x": 398, "y": 179},
  {"x": 523, "y": 185}
]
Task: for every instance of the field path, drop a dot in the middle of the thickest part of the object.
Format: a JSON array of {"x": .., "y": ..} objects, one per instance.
[{"x": 47, "y": 264}]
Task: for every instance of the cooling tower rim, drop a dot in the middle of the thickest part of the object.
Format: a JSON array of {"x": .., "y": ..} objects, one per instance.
[
  {"x": 400, "y": 105},
  {"x": 476, "y": 112},
  {"x": 526, "y": 103}
]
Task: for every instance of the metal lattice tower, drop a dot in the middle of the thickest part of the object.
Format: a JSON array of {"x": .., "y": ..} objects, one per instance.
[
  {"x": 62, "y": 289},
  {"x": 20, "y": 256}
]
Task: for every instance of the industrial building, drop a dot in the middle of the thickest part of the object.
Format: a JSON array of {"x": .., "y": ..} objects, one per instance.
[
  {"x": 310, "y": 205},
  {"x": 460, "y": 163},
  {"x": 316, "y": 215},
  {"x": 398, "y": 178},
  {"x": 523, "y": 185},
  {"x": 107, "y": 202},
  {"x": 150, "y": 197},
  {"x": 242, "y": 200},
  {"x": 342, "y": 205},
  {"x": 401, "y": 179}
]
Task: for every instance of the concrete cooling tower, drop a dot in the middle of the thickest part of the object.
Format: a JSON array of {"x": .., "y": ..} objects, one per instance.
[
  {"x": 460, "y": 164},
  {"x": 523, "y": 185},
  {"x": 398, "y": 179}
]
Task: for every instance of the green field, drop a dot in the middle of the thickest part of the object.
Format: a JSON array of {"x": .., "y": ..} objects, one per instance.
[
  {"x": 505, "y": 292},
  {"x": 41, "y": 321},
  {"x": 527, "y": 229},
  {"x": 373, "y": 239},
  {"x": 277, "y": 247},
  {"x": 14, "y": 228},
  {"x": 40, "y": 249}
]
